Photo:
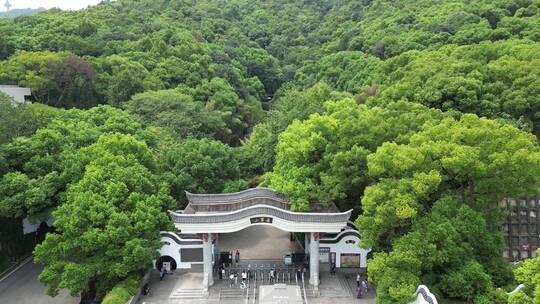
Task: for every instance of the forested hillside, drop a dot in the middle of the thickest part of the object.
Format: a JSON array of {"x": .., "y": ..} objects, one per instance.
[{"x": 419, "y": 115}]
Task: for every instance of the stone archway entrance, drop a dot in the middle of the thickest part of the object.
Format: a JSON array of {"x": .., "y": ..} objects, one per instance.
[
  {"x": 212, "y": 214},
  {"x": 166, "y": 259}
]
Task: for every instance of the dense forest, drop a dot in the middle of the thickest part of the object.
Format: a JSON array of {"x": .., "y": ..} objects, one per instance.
[{"x": 419, "y": 115}]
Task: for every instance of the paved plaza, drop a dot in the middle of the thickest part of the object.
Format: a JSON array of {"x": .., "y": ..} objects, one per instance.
[
  {"x": 334, "y": 289},
  {"x": 260, "y": 247}
]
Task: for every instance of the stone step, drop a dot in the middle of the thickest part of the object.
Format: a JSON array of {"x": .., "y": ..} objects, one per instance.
[
  {"x": 310, "y": 293},
  {"x": 186, "y": 293},
  {"x": 334, "y": 293},
  {"x": 230, "y": 293}
]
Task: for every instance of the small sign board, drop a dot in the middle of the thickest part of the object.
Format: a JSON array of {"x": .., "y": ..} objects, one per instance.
[{"x": 261, "y": 219}]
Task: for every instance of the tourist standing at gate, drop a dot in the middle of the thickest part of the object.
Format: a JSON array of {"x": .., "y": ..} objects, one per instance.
[
  {"x": 237, "y": 256},
  {"x": 231, "y": 280},
  {"x": 222, "y": 273},
  {"x": 358, "y": 279},
  {"x": 272, "y": 275}
]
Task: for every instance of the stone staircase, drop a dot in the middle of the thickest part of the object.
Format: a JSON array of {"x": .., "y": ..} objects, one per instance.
[
  {"x": 185, "y": 293},
  {"x": 231, "y": 295},
  {"x": 345, "y": 285}
]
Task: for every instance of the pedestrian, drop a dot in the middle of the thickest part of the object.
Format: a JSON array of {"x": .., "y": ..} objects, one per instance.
[
  {"x": 364, "y": 286},
  {"x": 236, "y": 278},
  {"x": 358, "y": 293},
  {"x": 358, "y": 279},
  {"x": 244, "y": 276},
  {"x": 298, "y": 274},
  {"x": 272, "y": 275},
  {"x": 231, "y": 280},
  {"x": 222, "y": 275},
  {"x": 237, "y": 256},
  {"x": 161, "y": 273},
  {"x": 333, "y": 269}
]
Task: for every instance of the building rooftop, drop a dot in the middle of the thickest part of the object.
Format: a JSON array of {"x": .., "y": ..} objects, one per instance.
[{"x": 17, "y": 93}]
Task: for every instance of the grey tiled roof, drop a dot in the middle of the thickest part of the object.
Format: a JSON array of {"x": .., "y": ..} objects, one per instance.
[{"x": 235, "y": 197}]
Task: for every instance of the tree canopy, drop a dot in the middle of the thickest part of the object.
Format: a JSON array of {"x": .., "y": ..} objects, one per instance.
[
  {"x": 419, "y": 115},
  {"x": 108, "y": 225},
  {"x": 433, "y": 209}
]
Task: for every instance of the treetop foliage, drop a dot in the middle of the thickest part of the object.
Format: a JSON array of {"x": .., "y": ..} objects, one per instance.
[{"x": 419, "y": 115}]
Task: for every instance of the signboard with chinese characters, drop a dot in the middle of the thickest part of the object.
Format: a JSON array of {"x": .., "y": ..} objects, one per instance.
[
  {"x": 324, "y": 254},
  {"x": 261, "y": 219}
]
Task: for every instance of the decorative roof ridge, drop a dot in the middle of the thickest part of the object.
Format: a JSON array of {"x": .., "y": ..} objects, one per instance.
[
  {"x": 219, "y": 214},
  {"x": 229, "y": 198}
]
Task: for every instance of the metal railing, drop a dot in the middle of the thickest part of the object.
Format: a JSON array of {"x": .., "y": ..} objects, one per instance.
[{"x": 304, "y": 288}]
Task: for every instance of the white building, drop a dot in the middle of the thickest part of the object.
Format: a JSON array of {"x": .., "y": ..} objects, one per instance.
[
  {"x": 343, "y": 249},
  {"x": 18, "y": 94}
]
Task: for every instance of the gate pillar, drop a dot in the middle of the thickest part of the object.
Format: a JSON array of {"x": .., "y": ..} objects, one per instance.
[{"x": 314, "y": 260}]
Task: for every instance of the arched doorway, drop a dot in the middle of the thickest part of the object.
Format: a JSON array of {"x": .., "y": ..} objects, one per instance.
[{"x": 166, "y": 258}]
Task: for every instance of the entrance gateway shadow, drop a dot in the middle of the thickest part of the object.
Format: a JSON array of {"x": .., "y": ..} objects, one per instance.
[{"x": 261, "y": 242}]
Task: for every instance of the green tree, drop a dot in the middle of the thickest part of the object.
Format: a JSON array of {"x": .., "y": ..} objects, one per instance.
[
  {"x": 219, "y": 97},
  {"x": 344, "y": 71},
  {"x": 496, "y": 80},
  {"x": 289, "y": 104},
  {"x": 119, "y": 209},
  {"x": 528, "y": 274},
  {"x": 37, "y": 169},
  {"x": 56, "y": 79},
  {"x": 324, "y": 158},
  {"x": 176, "y": 111},
  {"x": 200, "y": 166},
  {"x": 21, "y": 119},
  {"x": 435, "y": 201}
]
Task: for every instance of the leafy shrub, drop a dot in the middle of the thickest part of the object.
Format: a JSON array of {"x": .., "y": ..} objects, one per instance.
[{"x": 123, "y": 291}]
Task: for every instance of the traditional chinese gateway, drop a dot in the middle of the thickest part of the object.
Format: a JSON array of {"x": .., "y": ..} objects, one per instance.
[{"x": 328, "y": 232}]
